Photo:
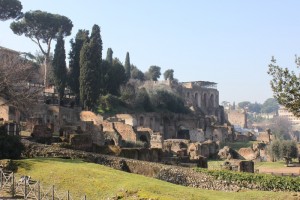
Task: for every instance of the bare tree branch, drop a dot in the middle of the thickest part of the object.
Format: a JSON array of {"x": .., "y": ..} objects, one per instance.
[{"x": 17, "y": 80}]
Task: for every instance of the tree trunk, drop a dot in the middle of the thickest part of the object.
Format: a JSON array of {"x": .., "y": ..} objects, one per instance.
[{"x": 46, "y": 65}]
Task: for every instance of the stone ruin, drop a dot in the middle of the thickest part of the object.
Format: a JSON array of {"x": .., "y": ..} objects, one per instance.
[
  {"x": 238, "y": 165},
  {"x": 194, "y": 135}
]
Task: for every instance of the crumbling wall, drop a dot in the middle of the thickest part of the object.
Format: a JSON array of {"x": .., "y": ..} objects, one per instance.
[
  {"x": 107, "y": 126},
  {"x": 197, "y": 135},
  {"x": 248, "y": 153},
  {"x": 81, "y": 141},
  {"x": 265, "y": 137},
  {"x": 237, "y": 118},
  {"x": 126, "y": 131}
]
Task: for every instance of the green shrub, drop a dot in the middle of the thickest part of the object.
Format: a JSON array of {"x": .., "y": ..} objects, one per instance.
[
  {"x": 165, "y": 100},
  {"x": 262, "y": 181},
  {"x": 133, "y": 144},
  {"x": 110, "y": 104},
  {"x": 10, "y": 147}
]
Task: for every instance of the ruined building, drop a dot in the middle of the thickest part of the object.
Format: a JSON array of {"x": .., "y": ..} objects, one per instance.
[{"x": 204, "y": 127}]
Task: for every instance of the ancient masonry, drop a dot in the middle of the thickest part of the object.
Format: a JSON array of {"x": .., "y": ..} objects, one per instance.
[{"x": 205, "y": 126}]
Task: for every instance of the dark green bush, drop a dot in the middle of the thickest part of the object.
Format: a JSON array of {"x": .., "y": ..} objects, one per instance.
[
  {"x": 10, "y": 147},
  {"x": 262, "y": 181}
]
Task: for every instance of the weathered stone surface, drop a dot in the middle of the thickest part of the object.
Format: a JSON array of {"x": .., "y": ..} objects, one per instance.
[{"x": 225, "y": 153}]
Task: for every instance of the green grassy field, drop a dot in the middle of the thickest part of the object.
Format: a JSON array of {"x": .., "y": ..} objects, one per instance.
[{"x": 99, "y": 182}]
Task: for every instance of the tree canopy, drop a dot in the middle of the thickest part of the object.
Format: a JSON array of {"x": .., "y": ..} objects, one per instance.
[
  {"x": 90, "y": 69},
  {"x": 286, "y": 86},
  {"x": 10, "y": 9},
  {"x": 283, "y": 149},
  {"x": 281, "y": 128},
  {"x": 153, "y": 73},
  {"x": 109, "y": 55},
  {"x": 269, "y": 106},
  {"x": 59, "y": 66},
  {"x": 244, "y": 104},
  {"x": 42, "y": 27},
  {"x": 127, "y": 66},
  {"x": 169, "y": 74},
  {"x": 136, "y": 73},
  {"x": 74, "y": 61}
]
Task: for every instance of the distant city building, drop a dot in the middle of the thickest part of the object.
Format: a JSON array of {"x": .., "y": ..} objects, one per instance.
[{"x": 295, "y": 121}]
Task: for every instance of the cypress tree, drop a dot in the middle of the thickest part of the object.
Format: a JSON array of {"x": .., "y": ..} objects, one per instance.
[
  {"x": 127, "y": 66},
  {"x": 109, "y": 56},
  {"x": 59, "y": 66},
  {"x": 74, "y": 61},
  {"x": 96, "y": 46},
  {"x": 90, "y": 69}
]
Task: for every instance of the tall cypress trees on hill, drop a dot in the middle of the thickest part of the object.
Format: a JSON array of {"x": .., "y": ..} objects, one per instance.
[
  {"x": 59, "y": 66},
  {"x": 127, "y": 66},
  {"x": 74, "y": 61},
  {"x": 90, "y": 69},
  {"x": 109, "y": 56}
]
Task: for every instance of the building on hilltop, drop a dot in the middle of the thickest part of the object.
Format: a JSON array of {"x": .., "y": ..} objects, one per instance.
[{"x": 203, "y": 95}]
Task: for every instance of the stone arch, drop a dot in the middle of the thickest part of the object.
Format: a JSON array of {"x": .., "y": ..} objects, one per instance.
[
  {"x": 144, "y": 138},
  {"x": 217, "y": 100},
  {"x": 141, "y": 121},
  {"x": 211, "y": 100},
  {"x": 183, "y": 133},
  {"x": 151, "y": 123},
  {"x": 204, "y": 100}
]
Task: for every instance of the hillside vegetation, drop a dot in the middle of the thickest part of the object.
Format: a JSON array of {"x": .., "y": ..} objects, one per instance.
[{"x": 99, "y": 182}]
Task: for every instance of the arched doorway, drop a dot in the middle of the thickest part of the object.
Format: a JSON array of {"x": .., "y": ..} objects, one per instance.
[
  {"x": 144, "y": 138},
  {"x": 204, "y": 100},
  {"x": 211, "y": 100},
  {"x": 141, "y": 121},
  {"x": 197, "y": 99},
  {"x": 183, "y": 133}
]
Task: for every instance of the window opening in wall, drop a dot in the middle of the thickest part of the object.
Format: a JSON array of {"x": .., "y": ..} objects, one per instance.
[
  {"x": 211, "y": 100},
  {"x": 141, "y": 121},
  {"x": 183, "y": 133},
  {"x": 204, "y": 99},
  {"x": 151, "y": 123},
  {"x": 197, "y": 99}
]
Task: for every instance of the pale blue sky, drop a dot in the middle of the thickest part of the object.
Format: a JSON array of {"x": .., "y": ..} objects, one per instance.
[{"x": 227, "y": 42}]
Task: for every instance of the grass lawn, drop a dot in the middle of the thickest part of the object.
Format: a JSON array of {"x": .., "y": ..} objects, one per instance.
[{"x": 99, "y": 182}]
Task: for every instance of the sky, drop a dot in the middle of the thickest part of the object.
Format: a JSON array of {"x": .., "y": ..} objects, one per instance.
[{"x": 227, "y": 42}]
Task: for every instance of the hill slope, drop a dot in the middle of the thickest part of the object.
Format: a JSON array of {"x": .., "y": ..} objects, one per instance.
[{"x": 99, "y": 182}]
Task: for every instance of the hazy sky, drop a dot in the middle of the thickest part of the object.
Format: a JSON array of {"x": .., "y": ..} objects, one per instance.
[{"x": 227, "y": 42}]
